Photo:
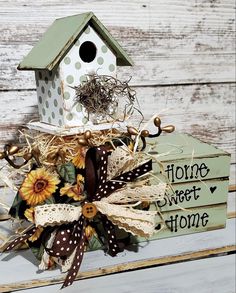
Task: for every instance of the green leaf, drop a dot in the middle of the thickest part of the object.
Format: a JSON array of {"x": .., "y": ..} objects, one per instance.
[
  {"x": 67, "y": 172},
  {"x": 18, "y": 207},
  {"x": 37, "y": 251},
  {"x": 50, "y": 200},
  {"x": 94, "y": 243}
]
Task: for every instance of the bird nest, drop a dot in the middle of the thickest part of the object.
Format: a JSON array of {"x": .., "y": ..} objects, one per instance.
[{"x": 100, "y": 95}]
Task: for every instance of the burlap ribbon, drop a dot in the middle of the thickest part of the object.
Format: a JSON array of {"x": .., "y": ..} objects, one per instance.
[{"x": 107, "y": 196}]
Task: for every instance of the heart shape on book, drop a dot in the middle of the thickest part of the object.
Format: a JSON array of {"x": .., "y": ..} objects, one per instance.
[{"x": 212, "y": 189}]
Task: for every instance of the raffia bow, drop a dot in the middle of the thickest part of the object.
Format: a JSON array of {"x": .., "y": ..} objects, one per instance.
[{"x": 105, "y": 188}]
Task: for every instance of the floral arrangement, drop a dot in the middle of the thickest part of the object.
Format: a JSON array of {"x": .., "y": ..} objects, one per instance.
[{"x": 78, "y": 191}]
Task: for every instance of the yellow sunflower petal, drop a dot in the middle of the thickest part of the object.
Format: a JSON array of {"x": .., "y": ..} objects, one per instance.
[
  {"x": 89, "y": 232},
  {"x": 36, "y": 235},
  {"x": 29, "y": 214},
  {"x": 79, "y": 159},
  {"x": 80, "y": 178},
  {"x": 72, "y": 191},
  {"x": 65, "y": 189},
  {"x": 38, "y": 185}
]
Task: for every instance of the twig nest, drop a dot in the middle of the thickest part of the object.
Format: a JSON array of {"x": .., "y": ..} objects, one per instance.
[{"x": 100, "y": 95}]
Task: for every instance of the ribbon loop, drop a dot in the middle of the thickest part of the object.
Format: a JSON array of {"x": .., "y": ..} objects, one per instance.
[
  {"x": 69, "y": 222},
  {"x": 95, "y": 171},
  {"x": 64, "y": 242}
]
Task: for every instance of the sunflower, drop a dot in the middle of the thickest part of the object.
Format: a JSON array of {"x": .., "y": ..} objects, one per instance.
[
  {"x": 79, "y": 159},
  {"x": 74, "y": 191},
  {"x": 38, "y": 186},
  {"x": 29, "y": 214}
]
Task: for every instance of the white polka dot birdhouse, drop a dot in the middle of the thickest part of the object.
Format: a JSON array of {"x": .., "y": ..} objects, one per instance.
[{"x": 72, "y": 49}]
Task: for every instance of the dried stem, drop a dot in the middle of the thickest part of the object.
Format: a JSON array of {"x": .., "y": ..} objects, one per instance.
[{"x": 101, "y": 93}]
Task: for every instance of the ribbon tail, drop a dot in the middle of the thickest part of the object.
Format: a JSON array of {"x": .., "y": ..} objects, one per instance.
[
  {"x": 72, "y": 273},
  {"x": 109, "y": 227},
  {"x": 137, "y": 222},
  {"x": 44, "y": 264},
  {"x": 20, "y": 239},
  {"x": 135, "y": 227}
]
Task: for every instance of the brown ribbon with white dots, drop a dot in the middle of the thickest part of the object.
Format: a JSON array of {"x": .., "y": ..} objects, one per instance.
[
  {"x": 20, "y": 239},
  {"x": 70, "y": 237}
]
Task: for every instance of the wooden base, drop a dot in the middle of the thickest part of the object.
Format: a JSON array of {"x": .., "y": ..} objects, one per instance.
[
  {"x": 62, "y": 131},
  {"x": 95, "y": 263}
]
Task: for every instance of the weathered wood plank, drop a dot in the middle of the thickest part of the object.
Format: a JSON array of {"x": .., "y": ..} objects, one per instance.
[
  {"x": 186, "y": 159},
  {"x": 193, "y": 42},
  {"x": 231, "y": 205},
  {"x": 195, "y": 194},
  {"x": 171, "y": 43},
  {"x": 182, "y": 68},
  {"x": 175, "y": 20},
  {"x": 96, "y": 263},
  {"x": 191, "y": 220},
  {"x": 205, "y": 275},
  {"x": 189, "y": 108}
]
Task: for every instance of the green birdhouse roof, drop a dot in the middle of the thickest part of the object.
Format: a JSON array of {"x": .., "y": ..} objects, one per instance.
[{"x": 61, "y": 35}]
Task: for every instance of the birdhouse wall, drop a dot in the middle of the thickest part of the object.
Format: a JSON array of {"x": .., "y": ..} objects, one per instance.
[
  {"x": 50, "y": 98},
  {"x": 74, "y": 67},
  {"x": 56, "y": 96}
]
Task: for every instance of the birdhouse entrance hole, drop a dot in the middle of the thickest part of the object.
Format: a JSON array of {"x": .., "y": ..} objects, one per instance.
[{"x": 87, "y": 51}]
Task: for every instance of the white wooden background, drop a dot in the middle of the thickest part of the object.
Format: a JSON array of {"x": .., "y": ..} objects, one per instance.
[{"x": 184, "y": 54}]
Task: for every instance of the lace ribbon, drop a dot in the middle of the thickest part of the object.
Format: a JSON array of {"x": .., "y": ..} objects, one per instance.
[{"x": 105, "y": 187}]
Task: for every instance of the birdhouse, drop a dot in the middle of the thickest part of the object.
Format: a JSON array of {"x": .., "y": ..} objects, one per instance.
[{"x": 72, "y": 48}]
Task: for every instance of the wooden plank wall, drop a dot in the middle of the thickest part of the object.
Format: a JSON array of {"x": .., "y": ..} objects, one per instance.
[{"x": 184, "y": 54}]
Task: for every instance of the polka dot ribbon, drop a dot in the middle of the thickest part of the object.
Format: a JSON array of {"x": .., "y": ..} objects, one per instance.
[
  {"x": 79, "y": 252},
  {"x": 20, "y": 239},
  {"x": 70, "y": 238},
  {"x": 97, "y": 186}
]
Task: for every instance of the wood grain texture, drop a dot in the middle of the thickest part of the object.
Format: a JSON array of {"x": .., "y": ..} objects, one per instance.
[
  {"x": 170, "y": 42},
  {"x": 118, "y": 269},
  {"x": 205, "y": 111},
  {"x": 206, "y": 275},
  {"x": 195, "y": 194},
  {"x": 184, "y": 70},
  {"x": 95, "y": 263}
]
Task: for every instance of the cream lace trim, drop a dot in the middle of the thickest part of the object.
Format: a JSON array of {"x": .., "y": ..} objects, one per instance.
[
  {"x": 44, "y": 265},
  {"x": 135, "y": 227},
  {"x": 122, "y": 160},
  {"x": 65, "y": 264},
  {"x": 137, "y": 222},
  {"x": 55, "y": 214},
  {"x": 145, "y": 193}
]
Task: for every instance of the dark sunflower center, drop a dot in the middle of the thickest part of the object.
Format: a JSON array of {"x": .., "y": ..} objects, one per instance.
[{"x": 40, "y": 185}]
